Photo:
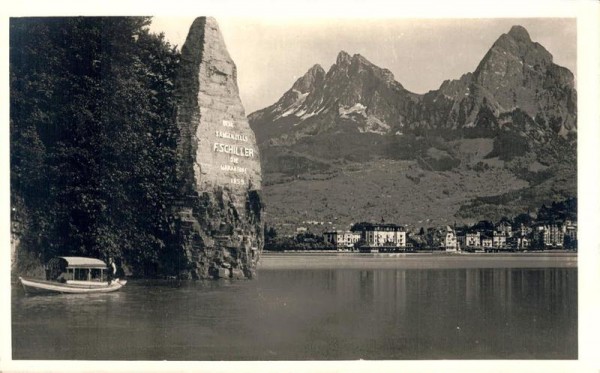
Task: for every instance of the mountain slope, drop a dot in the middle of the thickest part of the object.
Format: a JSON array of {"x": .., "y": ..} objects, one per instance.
[{"x": 512, "y": 122}]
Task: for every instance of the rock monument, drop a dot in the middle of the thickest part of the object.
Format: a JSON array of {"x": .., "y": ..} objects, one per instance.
[{"x": 220, "y": 214}]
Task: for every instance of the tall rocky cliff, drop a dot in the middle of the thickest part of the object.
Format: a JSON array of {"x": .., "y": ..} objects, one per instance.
[{"x": 220, "y": 215}]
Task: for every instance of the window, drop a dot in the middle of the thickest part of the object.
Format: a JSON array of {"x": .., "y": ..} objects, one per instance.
[
  {"x": 81, "y": 274},
  {"x": 96, "y": 274}
]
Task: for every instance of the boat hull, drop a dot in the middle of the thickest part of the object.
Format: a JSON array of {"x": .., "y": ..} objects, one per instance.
[{"x": 41, "y": 286}]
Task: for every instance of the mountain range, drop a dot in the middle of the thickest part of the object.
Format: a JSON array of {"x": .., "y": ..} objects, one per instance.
[{"x": 352, "y": 144}]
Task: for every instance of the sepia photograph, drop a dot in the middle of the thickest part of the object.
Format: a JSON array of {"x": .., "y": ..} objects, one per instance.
[{"x": 222, "y": 187}]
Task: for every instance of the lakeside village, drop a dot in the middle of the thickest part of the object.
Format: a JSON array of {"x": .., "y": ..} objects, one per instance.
[{"x": 552, "y": 228}]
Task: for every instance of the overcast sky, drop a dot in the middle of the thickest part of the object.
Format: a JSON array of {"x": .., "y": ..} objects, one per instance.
[{"x": 271, "y": 53}]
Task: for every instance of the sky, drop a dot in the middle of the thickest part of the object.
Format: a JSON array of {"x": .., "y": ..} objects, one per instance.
[{"x": 271, "y": 53}]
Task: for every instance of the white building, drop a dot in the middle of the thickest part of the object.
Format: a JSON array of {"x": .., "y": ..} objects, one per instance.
[
  {"x": 499, "y": 239},
  {"x": 381, "y": 235},
  {"x": 450, "y": 241},
  {"x": 342, "y": 239},
  {"x": 473, "y": 239},
  {"x": 487, "y": 242},
  {"x": 550, "y": 235}
]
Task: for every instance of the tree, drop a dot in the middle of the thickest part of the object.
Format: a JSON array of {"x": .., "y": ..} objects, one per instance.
[
  {"x": 92, "y": 136},
  {"x": 484, "y": 226},
  {"x": 524, "y": 219},
  {"x": 270, "y": 233}
]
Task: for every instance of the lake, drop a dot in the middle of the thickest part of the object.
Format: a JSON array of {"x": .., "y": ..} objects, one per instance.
[{"x": 320, "y": 307}]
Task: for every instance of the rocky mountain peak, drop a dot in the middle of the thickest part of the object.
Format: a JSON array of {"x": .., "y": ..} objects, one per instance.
[
  {"x": 518, "y": 45},
  {"x": 361, "y": 62},
  {"x": 359, "y": 68},
  {"x": 316, "y": 70},
  {"x": 519, "y": 33},
  {"x": 313, "y": 77},
  {"x": 519, "y": 73},
  {"x": 357, "y": 58},
  {"x": 343, "y": 58}
]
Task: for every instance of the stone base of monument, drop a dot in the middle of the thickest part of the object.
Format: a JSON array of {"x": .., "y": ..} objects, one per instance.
[{"x": 220, "y": 234}]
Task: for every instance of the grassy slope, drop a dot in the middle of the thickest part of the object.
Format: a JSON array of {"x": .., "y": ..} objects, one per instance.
[
  {"x": 399, "y": 191},
  {"x": 412, "y": 192}
]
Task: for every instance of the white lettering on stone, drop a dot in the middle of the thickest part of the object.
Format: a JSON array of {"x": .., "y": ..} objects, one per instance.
[
  {"x": 238, "y": 181},
  {"x": 231, "y": 136},
  {"x": 227, "y": 123},
  {"x": 227, "y": 167},
  {"x": 240, "y": 151}
]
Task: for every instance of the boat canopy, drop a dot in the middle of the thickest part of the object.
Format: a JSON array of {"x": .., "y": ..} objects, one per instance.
[{"x": 83, "y": 262}]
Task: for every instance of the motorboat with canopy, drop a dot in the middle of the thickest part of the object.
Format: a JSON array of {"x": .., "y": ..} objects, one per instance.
[{"x": 75, "y": 274}]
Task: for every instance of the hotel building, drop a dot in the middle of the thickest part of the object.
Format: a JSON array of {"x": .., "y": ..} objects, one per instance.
[{"x": 381, "y": 235}]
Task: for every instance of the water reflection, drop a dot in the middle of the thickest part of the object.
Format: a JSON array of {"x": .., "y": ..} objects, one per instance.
[{"x": 336, "y": 313}]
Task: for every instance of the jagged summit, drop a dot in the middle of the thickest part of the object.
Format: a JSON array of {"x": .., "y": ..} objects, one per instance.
[
  {"x": 356, "y": 66},
  {"x": 313, "y": 77},
  {"x": 519, "y": 73},
  {"x": 354, "y": 91},
  {"x": 517, "y": 43},
  {"x": 359, "y": 58},
  {"x": 518, "y": 32},
  {"x": 343, "y": 58},
  {"x": 316, "y": 69},
  {"x": 345, "y": 61}
]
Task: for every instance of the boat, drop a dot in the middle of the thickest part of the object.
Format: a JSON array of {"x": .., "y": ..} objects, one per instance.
[{"x": 74, "y": 275}]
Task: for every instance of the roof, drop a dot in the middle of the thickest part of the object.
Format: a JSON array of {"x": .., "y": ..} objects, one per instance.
[
  {"x": 80, "y": 261},
  {"x": 339, "y": 232},
  {"x": 377, "y": 227}
]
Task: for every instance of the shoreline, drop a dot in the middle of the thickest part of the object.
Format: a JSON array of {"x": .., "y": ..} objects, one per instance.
[
  {"x": 442, "y": 260},
  {"x": 418, "y": 252}
]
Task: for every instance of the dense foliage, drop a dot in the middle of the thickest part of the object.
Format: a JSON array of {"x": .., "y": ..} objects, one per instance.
[
  {"x": 300, "y": 242},
  {"x": 558, "y": 211},
  {"x": 93, "y": 138}
]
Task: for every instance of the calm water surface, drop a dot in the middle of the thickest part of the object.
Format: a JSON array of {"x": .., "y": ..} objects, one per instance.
[{"x": 319, "y": 307}]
